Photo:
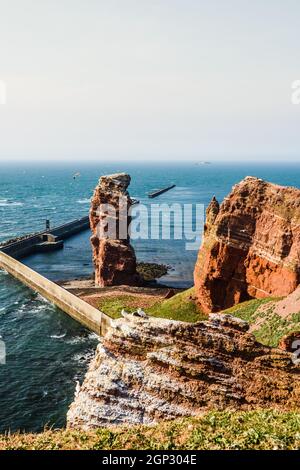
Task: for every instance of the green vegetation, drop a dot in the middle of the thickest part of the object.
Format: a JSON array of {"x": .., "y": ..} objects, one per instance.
[
  {"x": 179, "y": 307},
  {"x": 246, "y": 310},
  {"x": 262, "y": 430},
  {"x": 268, "y": 326},
  {"x": 113, "y": 305}
]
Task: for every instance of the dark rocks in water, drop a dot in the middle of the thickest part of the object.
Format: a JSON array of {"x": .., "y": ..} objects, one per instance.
[{"x": 152, "y": 271}]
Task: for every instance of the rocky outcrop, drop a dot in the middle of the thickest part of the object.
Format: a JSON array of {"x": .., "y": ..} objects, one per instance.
[
  {"x": 113, "y": 256},
  {"x": 148, "y": 369},
  {"x": 251, "y": 246}
]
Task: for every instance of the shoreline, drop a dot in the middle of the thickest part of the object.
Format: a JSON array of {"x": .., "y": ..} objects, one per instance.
[{"x": 150, "y": 273}]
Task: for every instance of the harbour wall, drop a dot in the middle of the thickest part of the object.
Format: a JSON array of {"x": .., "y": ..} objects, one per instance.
[
  {"x": 51, "y": 239},
  {"x": 81, "y": 311}
]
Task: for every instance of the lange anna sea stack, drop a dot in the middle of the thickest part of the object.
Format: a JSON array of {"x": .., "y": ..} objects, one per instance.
[
  {"x": 113, "y": 256},
  {"x": 251, "y": 245}
]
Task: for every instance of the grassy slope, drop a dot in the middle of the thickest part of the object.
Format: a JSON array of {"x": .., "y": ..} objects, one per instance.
[
  {"x": 270, "y": 326},
  {"x": 180, "y": 307},
  {"x": 113, "y": 306},
  {"x": 213, "y": 430}
]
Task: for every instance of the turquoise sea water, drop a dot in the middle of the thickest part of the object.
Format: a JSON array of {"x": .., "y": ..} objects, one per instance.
[{"x": 46, "y": 350}]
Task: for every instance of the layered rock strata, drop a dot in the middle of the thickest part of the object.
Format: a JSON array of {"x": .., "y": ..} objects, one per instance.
[
  {"x": 113, "y": 256},
  {"x": 148, "y": 369},
  {"x": 251, "y": 246}
]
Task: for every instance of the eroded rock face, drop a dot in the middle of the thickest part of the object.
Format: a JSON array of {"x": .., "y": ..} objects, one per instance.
[
  {"x": 251, "y": 246},
  {"x": 113, "y": 256},
  {"x": 148, "y": 369}
]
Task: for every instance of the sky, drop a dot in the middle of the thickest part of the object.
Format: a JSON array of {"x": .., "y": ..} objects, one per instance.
[{"x": 172, "y": 80}]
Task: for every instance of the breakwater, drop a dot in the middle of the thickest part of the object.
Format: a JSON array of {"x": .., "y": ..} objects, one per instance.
[
  {"x": 160, "y": 191},
  {"x": 51, "y": 239},
  {"x": 81, "y": 311},
  {"x": 47, "y": 240}
]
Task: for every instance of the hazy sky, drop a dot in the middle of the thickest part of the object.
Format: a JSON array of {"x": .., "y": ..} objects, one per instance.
[{"x": 153, "y": 79}]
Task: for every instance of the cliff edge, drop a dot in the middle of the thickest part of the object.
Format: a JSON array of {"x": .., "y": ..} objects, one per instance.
[{"x": 148, "y": 369}]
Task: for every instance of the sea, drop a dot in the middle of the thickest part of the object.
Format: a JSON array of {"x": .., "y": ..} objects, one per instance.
[{"x": 47, "y": 351}]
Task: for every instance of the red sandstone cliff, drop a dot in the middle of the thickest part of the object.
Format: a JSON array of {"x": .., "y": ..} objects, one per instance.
[
  {"x": 113, "y": 256},
  {"x": 251, "y": 245},
  {"x": 147, "y": 369}
]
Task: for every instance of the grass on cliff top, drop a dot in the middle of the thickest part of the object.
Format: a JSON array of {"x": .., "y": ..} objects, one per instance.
[
  {"x": 113, "y": 305},
  {"x": 247, "y": 310},
  {"x": 249, "y": 430},
  {"x": 268, "y": 326},
  {"x": 179, "y": 307}
]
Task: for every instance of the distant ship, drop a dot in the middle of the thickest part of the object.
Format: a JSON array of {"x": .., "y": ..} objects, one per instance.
[{"x": 203, "y": 163}]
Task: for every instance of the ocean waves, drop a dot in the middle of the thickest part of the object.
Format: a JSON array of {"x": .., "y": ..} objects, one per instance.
[
  {"x": 9, "y": 203},
  {"x": 84, "y": 201}
]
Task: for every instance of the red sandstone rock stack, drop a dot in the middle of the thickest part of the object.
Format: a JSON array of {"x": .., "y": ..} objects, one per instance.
[
  {"x": 113, "y": 256},
  {"x": 251, "y": 246}
]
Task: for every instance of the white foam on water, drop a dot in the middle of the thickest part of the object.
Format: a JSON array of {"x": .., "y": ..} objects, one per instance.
[
  {"x": 43, "y": 300},
  {"x": 84, "y": 201},
  {"x": 82, "y": 339},
  {"x": 83, "y": 358},
  {"x": 77, "y": 339},
  {"x": 93, "y": 335},
  {"x": 58, "y": 336},
  {"x": 7, "y": 203}
]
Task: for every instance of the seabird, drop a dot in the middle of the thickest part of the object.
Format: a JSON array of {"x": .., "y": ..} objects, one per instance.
[{"x": 77, "y": 389}]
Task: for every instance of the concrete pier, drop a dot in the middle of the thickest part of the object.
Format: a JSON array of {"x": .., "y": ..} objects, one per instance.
[
  {"x": 160, "y": 191},
  {"x": 48, "y": 240},
  {"x": 81, "y": 311}
]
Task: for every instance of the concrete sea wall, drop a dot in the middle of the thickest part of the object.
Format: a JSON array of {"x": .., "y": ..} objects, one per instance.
[
  {"x": 87, "y": 315},
  {"x": 29, "y": 245}
]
